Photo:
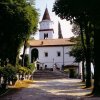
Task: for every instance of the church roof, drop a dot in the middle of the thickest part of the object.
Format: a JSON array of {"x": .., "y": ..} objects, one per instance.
[
  {"x": 50, "y": 42},
  {"x": 46, "y": 15}
]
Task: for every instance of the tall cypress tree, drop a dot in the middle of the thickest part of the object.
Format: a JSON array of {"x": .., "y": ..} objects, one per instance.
[{"x": 59, "y": 31}]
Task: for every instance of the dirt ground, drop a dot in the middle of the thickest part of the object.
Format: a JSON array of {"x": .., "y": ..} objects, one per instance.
[{"x": 52, "y": 89}]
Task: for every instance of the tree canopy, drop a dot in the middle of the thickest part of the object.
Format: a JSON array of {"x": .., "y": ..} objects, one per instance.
[
  {"x": 87, "y": 14},
  {"x": 17, "y": 21}
]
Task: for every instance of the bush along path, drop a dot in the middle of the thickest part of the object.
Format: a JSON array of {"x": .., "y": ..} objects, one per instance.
[{"x": 9, "y": 74}]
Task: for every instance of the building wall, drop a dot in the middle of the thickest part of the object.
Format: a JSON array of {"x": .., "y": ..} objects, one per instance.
[
  {"x": 52, "y": 56},
  {"x": 46, "y": 24},
  {"x": 50, "y": 34}
]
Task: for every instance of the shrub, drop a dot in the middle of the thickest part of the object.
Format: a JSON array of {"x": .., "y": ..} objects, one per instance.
[
  {"x": 1, "y": 70},
  {"x": 9, "y": 71},
  {"x": 66, "y": 70},
  {"x": 20, "y": 69},
  {"x": 31, "y": 67},
  {"x": 23, "y": 70}
]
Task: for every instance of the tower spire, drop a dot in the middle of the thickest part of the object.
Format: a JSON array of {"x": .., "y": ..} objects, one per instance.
[
  {"x": 46, "y": 5},
  {"x": 46, "y": 15},
  {"x": 59, "y": 31}
]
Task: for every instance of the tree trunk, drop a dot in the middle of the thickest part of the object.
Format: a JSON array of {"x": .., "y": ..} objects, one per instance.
[
  {"x": 23, "y": 56},
  {"x": 84, "y": 52},
  {"x": 0, "y": 78},
  {"x": 83, "y": 72},
  {"x": 96, "y": 89},
  {"x": 88, "y": 57}
]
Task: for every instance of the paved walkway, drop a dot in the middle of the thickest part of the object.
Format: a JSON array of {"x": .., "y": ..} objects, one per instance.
[{"x": 54, "y": 89}]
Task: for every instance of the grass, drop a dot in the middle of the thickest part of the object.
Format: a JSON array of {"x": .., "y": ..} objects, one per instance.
[{"x": 20, "y": 84}]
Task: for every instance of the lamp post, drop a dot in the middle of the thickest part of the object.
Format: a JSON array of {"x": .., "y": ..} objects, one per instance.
[{"x": 53, "y": 60}]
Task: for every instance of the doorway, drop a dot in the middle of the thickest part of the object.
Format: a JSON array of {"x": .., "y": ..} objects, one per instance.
[
  {"x": 34, "y": 55},
  {"x": 38, "y": 66},
  {"x": 71, "y": 73}
]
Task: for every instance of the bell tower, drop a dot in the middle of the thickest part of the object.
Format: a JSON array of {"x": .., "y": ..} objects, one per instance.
[{"x": 46, "y": 27}]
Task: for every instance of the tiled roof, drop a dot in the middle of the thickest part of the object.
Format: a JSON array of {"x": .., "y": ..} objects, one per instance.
[
  {"x": 46, "y": 15},
  {"x": 50, "y": 42}
]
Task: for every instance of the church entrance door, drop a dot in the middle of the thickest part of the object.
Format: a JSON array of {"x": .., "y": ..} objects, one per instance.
[{"x": 38, "y": 66}]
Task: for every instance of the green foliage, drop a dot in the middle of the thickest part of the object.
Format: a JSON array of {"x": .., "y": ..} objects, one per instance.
[
  {"x": 66, "y": 70},
  {"x": 19, "y": 62},
  {"x": 17, "y": 21},
  {"x": 87, "y": 14},
  {"x": 1, "y": 70},
  {"x": 77, "y": 52},
  {"x": 69, "y": 9},
  {"x": 76, "y": 28},
  {"x": 26, "y": 60},
  {"x": 9, "y": 71},
  {"x": 20, "y": 69},
  {"x": 31, "y": 67},
  {"x": 23, "y": 70}
]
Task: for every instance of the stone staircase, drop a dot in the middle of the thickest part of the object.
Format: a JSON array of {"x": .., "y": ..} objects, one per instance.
[{"x": 46, "y": 74}]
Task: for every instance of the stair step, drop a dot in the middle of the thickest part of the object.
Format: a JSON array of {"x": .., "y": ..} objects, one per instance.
[{"x": 44, "y": 74}]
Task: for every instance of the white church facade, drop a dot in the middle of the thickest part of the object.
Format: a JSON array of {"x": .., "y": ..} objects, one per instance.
[{"x": 50, "y": 52}]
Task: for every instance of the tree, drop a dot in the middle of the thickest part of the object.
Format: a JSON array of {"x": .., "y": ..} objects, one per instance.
[
  {"x": 78, "y": 30},
  {"x": 24, "y": 49},
  {"x": 70, "y": 11},
  {"x": 17, "y": 21},
  {"x": 59, "y": 31},
  {"x": 78, "y": 53},
  {"x": 26, "y": 60},
  {"x": 88, "y": 14}
]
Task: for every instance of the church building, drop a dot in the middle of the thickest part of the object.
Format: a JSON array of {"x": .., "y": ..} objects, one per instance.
[{"x": 50, "y": 52}]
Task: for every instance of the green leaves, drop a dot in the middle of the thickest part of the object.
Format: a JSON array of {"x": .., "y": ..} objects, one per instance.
[
  {"x": 23, "y": 70},
  {"x": 17, "y": 21},
  {"x": 76, "y": 9},
  {"x": 1, "y": 70},
  {"x": 77, "y": 52},
  {"x": 9, "y": 71}
]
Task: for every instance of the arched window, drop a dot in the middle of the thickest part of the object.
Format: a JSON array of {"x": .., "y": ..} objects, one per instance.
[
  {"x": 34, "y": 55},
  {"x": 45, "y": 35}
]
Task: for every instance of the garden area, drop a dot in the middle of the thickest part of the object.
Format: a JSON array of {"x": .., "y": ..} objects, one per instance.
[
  {"x": 18, "y": 20},
  {"x": 15, "y": 76}
]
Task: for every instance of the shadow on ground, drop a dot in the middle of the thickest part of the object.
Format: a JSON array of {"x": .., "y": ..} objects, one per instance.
[{"x": 58, "y": 89}]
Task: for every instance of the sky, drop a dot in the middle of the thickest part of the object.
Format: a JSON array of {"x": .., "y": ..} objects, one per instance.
[{"x": 65, "y": 25}]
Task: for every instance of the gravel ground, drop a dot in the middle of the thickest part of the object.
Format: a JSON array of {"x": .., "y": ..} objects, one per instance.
[{"x": 54, "y": 89}]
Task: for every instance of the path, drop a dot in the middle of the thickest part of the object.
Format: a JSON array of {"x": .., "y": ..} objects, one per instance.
[{"x": 53, "y": 89}]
